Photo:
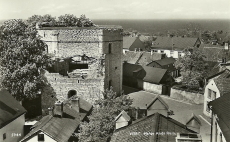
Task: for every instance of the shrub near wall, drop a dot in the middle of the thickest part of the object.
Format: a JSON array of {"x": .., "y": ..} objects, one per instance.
[{"x": 191, "y": 97}]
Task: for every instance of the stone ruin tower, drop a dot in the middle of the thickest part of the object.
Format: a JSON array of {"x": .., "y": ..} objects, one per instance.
[{"x": 98, "y": 42}]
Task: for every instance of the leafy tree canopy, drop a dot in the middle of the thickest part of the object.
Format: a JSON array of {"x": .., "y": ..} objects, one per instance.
[
  {"x": 84, "y": 22},
  {"x": 102, "y": 120},
  {"x": 22, "y": 59},
  {"x": 68, "y": 19},
  {"x": 38, "y": 18},
  {"x": 193, "y": 68}
]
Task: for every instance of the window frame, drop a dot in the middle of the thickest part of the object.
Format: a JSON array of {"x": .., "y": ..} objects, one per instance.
[{"x": 4, "y": 136}]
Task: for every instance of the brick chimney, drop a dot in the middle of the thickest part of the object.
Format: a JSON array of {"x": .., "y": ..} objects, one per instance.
[
  {"x": 58, "y": 108},
  {"x": 75, "y": 102},
  {"x": 51, "y": 111}
]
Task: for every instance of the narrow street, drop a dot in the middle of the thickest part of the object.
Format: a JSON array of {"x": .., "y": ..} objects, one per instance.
[{"x": 183, "y": 111}]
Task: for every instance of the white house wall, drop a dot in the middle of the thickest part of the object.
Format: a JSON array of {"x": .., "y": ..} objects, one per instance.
[
  {"x": 211, "y": 85},
  {"x": 121, "y": 122},
  {"x": 14, "y": 130},
  {"x": 46, "y": 138}
]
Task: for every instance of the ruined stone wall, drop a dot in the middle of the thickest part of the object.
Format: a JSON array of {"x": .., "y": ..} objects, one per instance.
[
  {"x": 113, "y": 63},
  {"x": 93, "y": 43},
  {"x": 89, "y": 89},
  {"x": 69, "y": 42}
]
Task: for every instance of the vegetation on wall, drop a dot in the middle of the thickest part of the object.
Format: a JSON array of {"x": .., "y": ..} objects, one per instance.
[{"x": 67, "y": 20}]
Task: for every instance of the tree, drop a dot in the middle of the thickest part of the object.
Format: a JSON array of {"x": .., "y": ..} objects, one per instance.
[
  {"x": 193, "y": 68},
  {"x": 68, "y": 19},
  {"x": 84, "y": 22},
  {"x": 22, "y": 59},
  {"x": 40, "y": 19},
  {"x": 102, "y": 120}
]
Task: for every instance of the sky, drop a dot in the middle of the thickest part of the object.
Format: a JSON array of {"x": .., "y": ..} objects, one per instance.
[{"x": 118, "y": 9}]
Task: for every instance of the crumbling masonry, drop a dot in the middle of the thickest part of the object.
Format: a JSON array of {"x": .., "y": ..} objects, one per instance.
[{"x": 100, "y": 42}]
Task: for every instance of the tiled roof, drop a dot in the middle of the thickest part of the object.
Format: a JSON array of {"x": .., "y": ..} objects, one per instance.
[
  {"x": 178, "y": 43},
  {"x": 147, "y": 57},
  {"x": 10, "y": 108},
  {"x": 61, "y": 128},
  {"x": 150, "y": 125},
  {"x": 215, "y": 54},
  {"x": 165, "y": 61},
  {"x": 223, "y": 84},
  {"x": 128, "y": 41},
  {"x": 215, "y": 69},
  {"x": 151, "y": 74},
  {"x": 143, "y": 38},
  {"x": 220, "y": 107},
  {"x": 143, "y": 99},
  {"x": 128, "y": 69},
  {"x": 131, "y": 56}
]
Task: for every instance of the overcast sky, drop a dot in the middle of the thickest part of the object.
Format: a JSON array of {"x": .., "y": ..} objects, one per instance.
[{"x": 118, "y": 9}]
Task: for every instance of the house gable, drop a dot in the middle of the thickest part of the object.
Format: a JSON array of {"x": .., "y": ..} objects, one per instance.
[
  {"x": 157, "y": 105},
  {"x": 137, "y": 45}
]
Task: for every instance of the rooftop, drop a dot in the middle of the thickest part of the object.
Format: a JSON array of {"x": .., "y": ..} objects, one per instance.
[
  {"x": 128, "y": 41},
  {"x": 148, "y": 57},
  {"x": 151, "y": 74},
  {"x": 220, "y": 107},
  {"x": 10, "y": 108},
  {"x": 174, "y": 43},
  {"x": 223, "y": 85},
  {"x": 148, "y": 127},
  {"x": 143, "y": 99},
  {"x": 61, "y": 128}
]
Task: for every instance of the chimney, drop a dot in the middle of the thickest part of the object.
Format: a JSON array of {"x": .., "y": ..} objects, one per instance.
[
  {"x": 51, "y": 112},
  {"x": 75, "y": 102},
  {"x": 58, "y": 109},
  {"x": 226, "y": 46}
]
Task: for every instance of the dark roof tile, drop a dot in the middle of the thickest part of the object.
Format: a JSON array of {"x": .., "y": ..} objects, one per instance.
[
  {"x": 150, "y": 124},
  {"x": 220, "y": 107},
  {"x": 10, "y": 108},
  {"x": 61, "y": 128},
  {"x": 175, "y": 43}
]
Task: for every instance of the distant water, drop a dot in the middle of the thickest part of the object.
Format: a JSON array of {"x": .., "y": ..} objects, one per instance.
[{"x": 154, "y": 26}]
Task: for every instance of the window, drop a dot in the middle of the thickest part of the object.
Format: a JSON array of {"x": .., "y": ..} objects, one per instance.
[
  {"x": 41, "y": 137},
  {"x": 209, "y": 93},
  {"x": 207, "y": 107},
  {"x": 162, "y": 51},
  {"x": 213, "y": 95},
  {"x": 4, "y": 136},
  {"x": 110, "y": 83},
  {"x": 221, "y": 139},
  {"x": 110, "y": 48}
]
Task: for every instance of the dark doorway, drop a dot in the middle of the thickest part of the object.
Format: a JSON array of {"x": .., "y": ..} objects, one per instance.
[{"x": 166, "y": 90}]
